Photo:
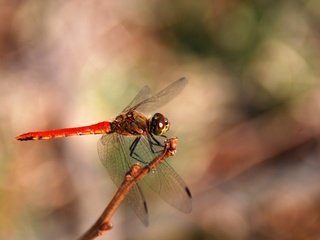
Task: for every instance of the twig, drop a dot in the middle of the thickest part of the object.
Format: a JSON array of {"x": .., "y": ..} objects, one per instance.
[{"x": 135, "y": 174}]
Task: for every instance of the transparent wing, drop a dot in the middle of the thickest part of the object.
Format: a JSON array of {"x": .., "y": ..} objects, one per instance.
[
  {"x": 113, "y": 152},
  {"x": 165, "y": 181},
  {"x": 142, "y": 95},
  {"x": 144, "y": 102}
]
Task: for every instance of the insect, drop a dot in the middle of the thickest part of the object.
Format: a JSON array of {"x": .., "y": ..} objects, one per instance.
[{"x": 133, "y": 137}]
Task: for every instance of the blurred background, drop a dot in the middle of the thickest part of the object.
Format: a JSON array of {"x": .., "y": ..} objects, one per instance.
[{"x": 248, "y": 121}]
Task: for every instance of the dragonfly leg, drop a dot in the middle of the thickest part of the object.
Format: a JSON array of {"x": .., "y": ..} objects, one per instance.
[
  {"x": 154, "y": 142},
  {"x": 134, "y": 144},
  {"x": 157, "y": 143},
  {"x": 133, "y": 154}
]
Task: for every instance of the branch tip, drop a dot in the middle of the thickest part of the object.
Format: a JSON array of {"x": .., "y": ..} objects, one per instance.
[{"x": 171, "y": 146}]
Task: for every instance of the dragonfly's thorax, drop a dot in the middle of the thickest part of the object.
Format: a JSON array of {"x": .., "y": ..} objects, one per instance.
[{"x": 131, "y": 123}]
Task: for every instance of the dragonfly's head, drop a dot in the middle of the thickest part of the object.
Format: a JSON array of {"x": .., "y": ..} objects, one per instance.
[{"x": 159, "y": 124}]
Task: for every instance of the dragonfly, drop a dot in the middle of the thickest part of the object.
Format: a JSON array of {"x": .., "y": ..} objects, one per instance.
[{"x": 131, "y": 138}]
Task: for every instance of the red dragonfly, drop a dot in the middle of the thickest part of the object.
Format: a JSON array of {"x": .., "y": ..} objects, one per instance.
[{"x": 130, "y": 138}]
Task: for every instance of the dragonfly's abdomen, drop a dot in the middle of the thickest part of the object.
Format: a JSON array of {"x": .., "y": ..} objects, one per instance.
[{"x": 99, "y": 128}]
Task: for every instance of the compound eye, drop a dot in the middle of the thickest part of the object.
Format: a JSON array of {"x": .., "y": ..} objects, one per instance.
[
  {"x": 157, "y": 116},
  {"x": 163, "y": 126},
  {"x": 159, "y": 124},
  {"x": 167, "y": 126}
]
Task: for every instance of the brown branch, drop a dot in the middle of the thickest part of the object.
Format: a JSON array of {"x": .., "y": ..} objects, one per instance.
[{"x": 135, "y": 174}]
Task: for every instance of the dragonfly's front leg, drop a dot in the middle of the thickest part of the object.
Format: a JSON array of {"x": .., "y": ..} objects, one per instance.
[{"x": 154, "y": 142}]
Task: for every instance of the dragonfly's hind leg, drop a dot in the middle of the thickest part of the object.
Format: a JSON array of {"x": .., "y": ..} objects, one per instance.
[{"x": 133, "y": 154}]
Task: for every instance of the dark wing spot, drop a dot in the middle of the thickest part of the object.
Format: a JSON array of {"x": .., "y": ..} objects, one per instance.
[
  {"x": 145, "y": 206},
  {"x": 188, "y": 192}
]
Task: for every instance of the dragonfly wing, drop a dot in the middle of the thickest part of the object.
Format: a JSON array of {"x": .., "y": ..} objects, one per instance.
[
  {"x": 142, "y": 95},
  {"x": 144, "y": 102},
  {"x": 113, "y": 152},
  {"x": 171, "y": 187},
  {"x": 165, "y": 181}
]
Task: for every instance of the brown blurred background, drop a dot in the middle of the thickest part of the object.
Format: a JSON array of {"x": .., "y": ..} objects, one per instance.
[{"x": 248, "y": 121}]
